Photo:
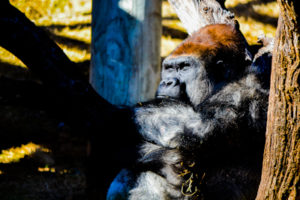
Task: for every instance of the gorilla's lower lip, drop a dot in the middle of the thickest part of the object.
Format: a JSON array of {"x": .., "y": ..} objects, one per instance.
[
  {"x": 163, "y": 97},
  {"x": 167, "y": 97}
]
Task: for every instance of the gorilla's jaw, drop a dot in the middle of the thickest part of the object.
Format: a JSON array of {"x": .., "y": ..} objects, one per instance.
[{"x": 199, "y": 90}]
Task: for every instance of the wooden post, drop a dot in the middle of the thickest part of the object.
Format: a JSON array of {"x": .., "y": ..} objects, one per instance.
[{"x": 125, "y": 66}]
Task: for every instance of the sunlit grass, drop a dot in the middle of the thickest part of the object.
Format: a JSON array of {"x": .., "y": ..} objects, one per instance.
[
  {"x": 7, "y": 57},
  {"x": 167, "y": 10},
  {"x": 80, "y": 34},
  {"x": 36, "y": 9},
  {"x": 233, "y": 3},
  {"x": 63, "y": 20},
  {"x": 75, "y": 54},
  {"x": 168, "y": 44},
  {"x": 252, "y": 29},
  {"x": 269, "y": 9},
  {"x": 52, "y": 170},
  {"x": 14, "y": 154},
  {"x": 171, "y": 20},
  {"x": 46, "y": 169},
  {"x": 175, "y": 24}
]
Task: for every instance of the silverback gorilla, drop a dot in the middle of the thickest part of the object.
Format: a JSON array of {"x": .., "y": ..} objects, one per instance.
[{"x": 203, "y": 134}]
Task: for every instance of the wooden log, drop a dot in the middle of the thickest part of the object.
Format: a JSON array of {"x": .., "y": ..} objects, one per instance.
[
  {"x": 125, "y": 66},
  {"x": 195, "y": 14}
]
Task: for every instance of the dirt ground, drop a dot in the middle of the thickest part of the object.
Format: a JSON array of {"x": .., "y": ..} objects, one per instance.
[{"x": 56, "y": 170}]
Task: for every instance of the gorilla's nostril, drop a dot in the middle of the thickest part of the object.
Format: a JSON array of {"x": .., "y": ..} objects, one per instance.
[
  {"x": 169, "y": 83},
  {"x": 172, "y": 82}
]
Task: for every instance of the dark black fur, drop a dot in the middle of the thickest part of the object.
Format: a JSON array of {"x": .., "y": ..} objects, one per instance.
[{"x": 203, "y": 136}]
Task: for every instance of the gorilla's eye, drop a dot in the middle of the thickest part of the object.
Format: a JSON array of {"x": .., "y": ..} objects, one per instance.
[
  {"x": 168, "y": 66},
  {"x": 184, "y": 65}
]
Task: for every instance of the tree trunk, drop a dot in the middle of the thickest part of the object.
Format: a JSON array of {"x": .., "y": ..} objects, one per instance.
[
  {"x": 126, "y": 49},
  {"x": 281, "y": 166}
]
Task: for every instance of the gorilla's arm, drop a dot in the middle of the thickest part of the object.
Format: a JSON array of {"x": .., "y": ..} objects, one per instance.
[
  {"x": 179, "y": 135},
  {"x": 169, "y": 122}
]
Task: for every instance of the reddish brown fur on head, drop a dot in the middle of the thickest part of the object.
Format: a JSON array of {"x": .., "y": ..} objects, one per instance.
[
  {"x": 211, "y": 41},
  {"x": 207, "y": 60}
]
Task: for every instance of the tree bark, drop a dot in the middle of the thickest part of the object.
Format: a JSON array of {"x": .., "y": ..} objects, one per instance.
[
  {"x": 195, "y": 14},
  {"x": 281, "y": 166},
  {"x": 125, "y": 66}
]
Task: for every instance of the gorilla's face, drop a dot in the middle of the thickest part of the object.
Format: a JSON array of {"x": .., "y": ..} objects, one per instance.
[
  {"x": 203, "y": 62},
  {"x": 184, "y": 78}
]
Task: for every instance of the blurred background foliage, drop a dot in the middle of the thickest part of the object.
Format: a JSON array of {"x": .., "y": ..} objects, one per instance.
[{"x": 55, "y": 171}]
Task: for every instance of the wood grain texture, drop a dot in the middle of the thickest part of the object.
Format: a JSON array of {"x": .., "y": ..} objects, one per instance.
[
  {"x": 195, "y": 14},
  {"x": 125, "y": 67},
  {"x": 281, "y": 166}
]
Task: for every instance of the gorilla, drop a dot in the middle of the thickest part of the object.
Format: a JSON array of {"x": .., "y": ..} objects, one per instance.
[{"x": 203, "y": 134}]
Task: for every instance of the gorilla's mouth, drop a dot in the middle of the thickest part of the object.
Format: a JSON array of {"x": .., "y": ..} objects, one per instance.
[
  {"x": 180, "y": 96},
  {"x": 164, "y": 97}
]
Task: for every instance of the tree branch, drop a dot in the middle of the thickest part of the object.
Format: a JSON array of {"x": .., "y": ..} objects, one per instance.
[
  {"x": 16, "y": 92},
  {"x": 72, "y": 98},
  {"x": 64, "y": 84}
]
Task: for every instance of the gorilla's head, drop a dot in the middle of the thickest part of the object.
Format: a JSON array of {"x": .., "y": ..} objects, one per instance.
[{"x": 204, "y": 62}]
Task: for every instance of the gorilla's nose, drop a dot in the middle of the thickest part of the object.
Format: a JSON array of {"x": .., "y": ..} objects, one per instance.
[
  {"x": 168, "y": 87},
  {"x": 170, "y": 82}
]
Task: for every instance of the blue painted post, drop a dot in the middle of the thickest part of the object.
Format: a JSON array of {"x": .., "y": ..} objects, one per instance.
[{"x": 125, "y": 65}]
